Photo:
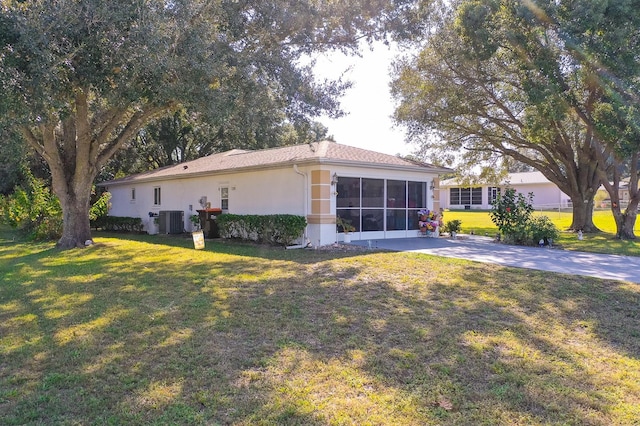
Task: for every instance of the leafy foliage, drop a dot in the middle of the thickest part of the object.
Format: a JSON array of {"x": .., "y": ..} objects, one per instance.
[
  {"x": 344, "y": 225},
  {"x": 279, "y": 229},
  {"x": 80, "y": 79},
  {"x": 117, "y": 223},
  {"x": 511, "y": 213},
  {"x": 36, "y": 211},
  {"x": 33, "y": 209},
  {"x": 454, "y": 225},
  {"x": 549, "y": 84},
  {"x": 100, "y": 207},
  {"x": 541, "y": 228}
]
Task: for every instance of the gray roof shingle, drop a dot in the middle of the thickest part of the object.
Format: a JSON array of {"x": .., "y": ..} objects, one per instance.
[{"x": 238, "y": 160}]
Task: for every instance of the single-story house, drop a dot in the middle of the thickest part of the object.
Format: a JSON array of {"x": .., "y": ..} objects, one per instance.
[
  {"x": 624, "y": 195},
  {"x": 379, "y": 194},
  {"x": 546, "y": 195}
]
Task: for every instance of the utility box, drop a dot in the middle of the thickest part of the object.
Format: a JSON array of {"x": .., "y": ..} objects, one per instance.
[{"x": 171, "y": 221}]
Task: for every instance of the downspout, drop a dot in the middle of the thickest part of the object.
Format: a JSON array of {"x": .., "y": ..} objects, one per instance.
[{"x": 305, "y": 207}]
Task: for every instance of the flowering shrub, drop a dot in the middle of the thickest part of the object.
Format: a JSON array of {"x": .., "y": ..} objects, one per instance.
[{"x": 511, "y": 213}]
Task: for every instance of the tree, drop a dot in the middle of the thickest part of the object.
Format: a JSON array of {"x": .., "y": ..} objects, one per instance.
[
  {"x": 476, "y": 108},
  {"x": 522, "y": 79},
  {"x": 80, "y": 78},
  {"x": 184, "y": 137},
  {"x": 602, "y": 39},
  {"x": 18, "y": 162}
]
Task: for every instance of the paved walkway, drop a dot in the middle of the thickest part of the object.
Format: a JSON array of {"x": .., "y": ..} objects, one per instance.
[{"x": 483, "y": 249}]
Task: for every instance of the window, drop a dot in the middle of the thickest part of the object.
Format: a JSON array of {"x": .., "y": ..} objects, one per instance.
[
  {"x": 348, "y": 192},
  {"x": 396, "y": 194},
  {"x": 417, "y": 195},
  {"x": 476, "y": 196},
  {"x": 372, "y": 193},
  {"x": 224, "y": 198},
  {"x": 133, "y": 194},
  {"x": 492, "y": 194},
  {"x": 454, "y": 196},
  {"x": 156, "y": 196},
  {"x": 465, "y": 196}
]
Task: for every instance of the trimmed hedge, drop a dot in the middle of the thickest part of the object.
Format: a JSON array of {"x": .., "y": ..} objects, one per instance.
[
  {"x": 118, "y": 223},
  {"x": 278, "y": 229}
]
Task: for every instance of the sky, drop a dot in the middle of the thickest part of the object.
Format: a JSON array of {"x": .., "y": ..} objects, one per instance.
[{"x": 368, "y": 103}]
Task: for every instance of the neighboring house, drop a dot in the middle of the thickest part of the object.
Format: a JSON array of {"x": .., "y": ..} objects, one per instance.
[
  {"x": 623, "y": 194},
  {"x": 546, "y": 195},
  {"x": 380, "y": 194}
]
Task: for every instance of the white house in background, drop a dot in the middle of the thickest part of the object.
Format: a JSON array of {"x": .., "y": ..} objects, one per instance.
[
  {"x": 380, "y": 194},
  {"x": 546, "y": 195}
]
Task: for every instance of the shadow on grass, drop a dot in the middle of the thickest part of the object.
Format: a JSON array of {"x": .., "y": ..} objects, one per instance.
[
  {"x": 236, "y": 247},
  {"x": 152, "y": 333}
]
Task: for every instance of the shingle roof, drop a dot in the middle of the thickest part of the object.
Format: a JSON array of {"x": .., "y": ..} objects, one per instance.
[{"x": 317, "y": 152}]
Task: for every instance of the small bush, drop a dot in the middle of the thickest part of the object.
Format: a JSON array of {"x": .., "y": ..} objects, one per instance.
[
  {"x": 453, "y": 226},
  {"x": 541, "y": 228}
]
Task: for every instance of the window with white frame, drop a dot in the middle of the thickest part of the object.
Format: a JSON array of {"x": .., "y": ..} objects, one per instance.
[
  {"x": 492, "y": 194},
  {"x": 224, "y": 198},
  {"x": 465, "y": 196},
  {"x": 156, "y": 196}
]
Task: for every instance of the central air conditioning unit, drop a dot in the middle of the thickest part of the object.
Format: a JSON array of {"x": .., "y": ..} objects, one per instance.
[{"x": 171, "y": 221}]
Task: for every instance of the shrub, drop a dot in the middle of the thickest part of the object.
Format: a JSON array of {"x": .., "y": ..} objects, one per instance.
[
  {"x": 118, "y": 223},
  {"x": 279, "y": 229},
  {"x": 541, "y": 228},
  {"x": 453, "y": 226},
  {"x": 33, "y": 209},
  {"x": 511, "y": 213}
]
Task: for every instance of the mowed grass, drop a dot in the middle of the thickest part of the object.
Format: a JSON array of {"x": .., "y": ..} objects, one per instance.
[
  {"x": 145, "y": 330},
  {"x": 479, "y": 222}
]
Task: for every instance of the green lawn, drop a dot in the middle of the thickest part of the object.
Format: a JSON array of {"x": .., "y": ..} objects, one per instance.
[
  {"x": 145, "y": 330},
  {"x": 480, "y": 223}
]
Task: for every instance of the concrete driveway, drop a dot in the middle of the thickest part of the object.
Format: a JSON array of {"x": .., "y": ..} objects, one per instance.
[{"x": 484, "y": 249}]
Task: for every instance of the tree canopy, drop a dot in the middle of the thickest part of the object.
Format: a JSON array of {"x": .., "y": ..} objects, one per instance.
[
  {"x": 538, "y": 81},
  {"x": 80, "y": 78}
]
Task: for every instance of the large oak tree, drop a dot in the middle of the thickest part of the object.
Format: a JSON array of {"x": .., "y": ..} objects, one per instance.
[
  {"x": 549, "y": 83},
  {"x": 80, "y": 78}
]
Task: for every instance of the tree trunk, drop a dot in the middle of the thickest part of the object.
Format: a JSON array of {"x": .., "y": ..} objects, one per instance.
[
  {"x": 582, "y": 215},
  {"x": 76, "y": 230},
  {"x": 75, "y": 212},
  {"x": 625, "y": 222}
]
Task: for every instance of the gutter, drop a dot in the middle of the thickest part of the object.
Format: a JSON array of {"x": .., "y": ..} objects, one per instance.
[{"x": 306, "y": 200}]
